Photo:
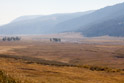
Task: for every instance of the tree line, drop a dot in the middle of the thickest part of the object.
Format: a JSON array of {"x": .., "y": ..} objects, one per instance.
[
  {"x": 55, "y": 40},
  {"x": 11, "y": 38}
]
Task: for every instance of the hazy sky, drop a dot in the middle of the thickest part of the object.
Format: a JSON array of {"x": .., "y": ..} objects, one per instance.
[{"x": 11, "y": 9}]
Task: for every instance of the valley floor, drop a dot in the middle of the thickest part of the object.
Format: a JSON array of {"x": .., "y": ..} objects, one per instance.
[{"x": 40, "y": 62}]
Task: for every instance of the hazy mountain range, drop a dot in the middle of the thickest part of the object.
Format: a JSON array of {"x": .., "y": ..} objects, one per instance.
[
  {"x": 105, "y": 21},
  {"x": 86, "y": 23},
  {"x": 37, "y": 24},
  {"x": 111, "y": 23}
]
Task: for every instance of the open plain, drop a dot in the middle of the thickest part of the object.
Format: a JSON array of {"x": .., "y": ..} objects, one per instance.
[{"x": 89, "y": 60}]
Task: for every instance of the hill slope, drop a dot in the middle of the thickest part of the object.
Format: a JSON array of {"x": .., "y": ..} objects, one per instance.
[
  {"x": 113, "y": 27},
  {"x": 37, "y": 24},
  {"x": 98, "y": 18}
]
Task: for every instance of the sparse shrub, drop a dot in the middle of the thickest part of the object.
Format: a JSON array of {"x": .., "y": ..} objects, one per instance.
[
  {"x": 30, "y": 60},
  {"x": 6, "y": 79},
  {"x": 98, "y": 68},
  {"x": 119, "y": 55}
]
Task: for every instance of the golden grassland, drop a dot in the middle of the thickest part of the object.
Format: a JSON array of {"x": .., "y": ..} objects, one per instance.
[
  {"x": 36, "y": 73},
  {"x": 79, "y": 54},
  {"x": 30, "y": 62},
  {"x": 6, "y": 79}
]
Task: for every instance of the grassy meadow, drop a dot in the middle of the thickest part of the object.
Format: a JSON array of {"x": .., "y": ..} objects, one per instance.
[{"x": 45, "y": 62}]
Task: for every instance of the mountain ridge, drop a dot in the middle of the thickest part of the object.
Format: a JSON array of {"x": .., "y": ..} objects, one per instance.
[
  {"x": 103, "y": 14},
  {"x": 37, "y": 25}
]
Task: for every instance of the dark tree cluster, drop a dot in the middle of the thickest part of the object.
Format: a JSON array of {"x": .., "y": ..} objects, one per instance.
[
  {"x": 11, "y": 39},
  {"x": 55, "y": 40}
]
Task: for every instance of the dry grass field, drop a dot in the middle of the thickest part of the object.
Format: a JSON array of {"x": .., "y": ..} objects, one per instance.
[{"x": 94, "y": 60}]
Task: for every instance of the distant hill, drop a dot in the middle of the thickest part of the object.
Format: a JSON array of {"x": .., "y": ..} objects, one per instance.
[
  {"x": 96, "y": 22},
  {"x": 37, "y": 24},
  {"x": 113, "y": 27},
  {"x": 105, "y": 21}
]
